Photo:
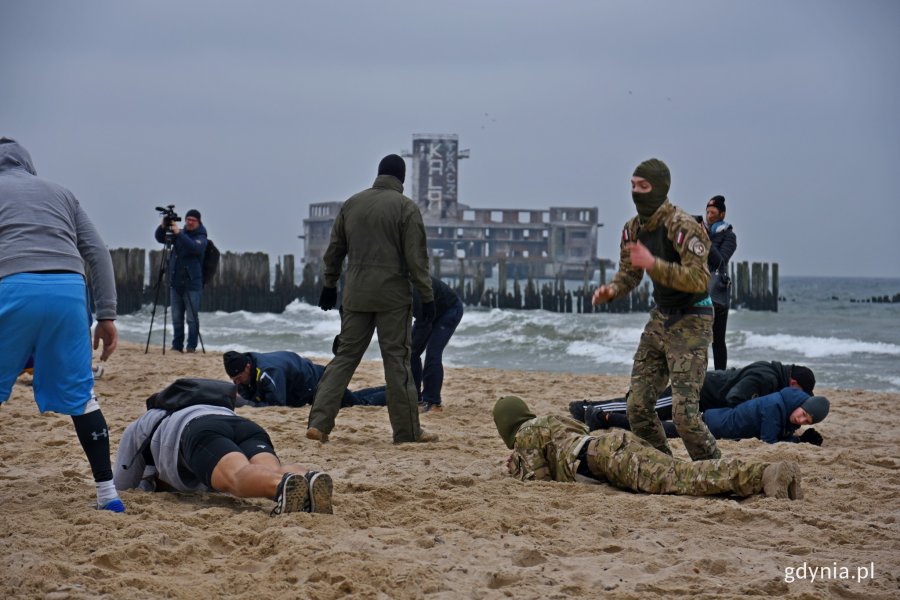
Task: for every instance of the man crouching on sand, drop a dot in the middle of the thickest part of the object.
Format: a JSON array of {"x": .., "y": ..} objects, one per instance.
[
  {"x": 558, "y": 448},
  {"x": 203, "y": 447}
]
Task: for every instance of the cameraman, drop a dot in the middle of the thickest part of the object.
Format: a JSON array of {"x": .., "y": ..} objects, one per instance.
[{"x": 185, "y": 275}]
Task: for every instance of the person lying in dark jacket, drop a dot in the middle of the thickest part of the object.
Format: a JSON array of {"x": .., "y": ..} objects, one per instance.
[
  {"x": 772, "y": 418},
  {"x": 721, "y": 389},
  {"x": 285, "y": 379}
]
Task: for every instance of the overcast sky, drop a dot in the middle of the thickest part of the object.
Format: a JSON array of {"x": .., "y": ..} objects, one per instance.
[{"x": 250, "y": 111}]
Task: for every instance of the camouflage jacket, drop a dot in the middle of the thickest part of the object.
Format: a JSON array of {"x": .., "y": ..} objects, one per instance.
[
  {"x": 680, "y": 244},
  {"x": 547, "y": 449}
]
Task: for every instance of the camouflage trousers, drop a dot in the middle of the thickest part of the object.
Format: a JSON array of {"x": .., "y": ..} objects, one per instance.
[
  {"x": 628, "y": 462},
  {"x": 672, "y": 349}
]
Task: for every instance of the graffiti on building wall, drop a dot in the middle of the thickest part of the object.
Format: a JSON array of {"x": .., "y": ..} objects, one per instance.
[{"x": 436, "y": 172}]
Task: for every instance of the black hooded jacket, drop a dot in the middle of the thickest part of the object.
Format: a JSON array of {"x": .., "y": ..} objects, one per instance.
[{"x": 728, "y": 388}]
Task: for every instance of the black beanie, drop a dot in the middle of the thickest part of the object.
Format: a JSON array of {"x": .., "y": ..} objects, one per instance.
[
  {"x": 393, "y": 165},
  {"x": 718, "y": 202},
  {"x": 816, "y": 407},
  {"x": 804, "y": 377},
  {"x": 235, "y": 362},
  {"x": 193, "y": 213}
]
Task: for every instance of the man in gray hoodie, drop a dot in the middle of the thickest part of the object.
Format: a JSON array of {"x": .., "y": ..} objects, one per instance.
[
  {"x": 45, "y": 240},
  {"x": 203, "y": 447}
]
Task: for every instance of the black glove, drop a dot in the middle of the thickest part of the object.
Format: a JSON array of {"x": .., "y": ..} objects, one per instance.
[
  {"x": 428, "y": 312},
  {"x": 328, "y": 298},
  {"x": 811, "y": 436}
]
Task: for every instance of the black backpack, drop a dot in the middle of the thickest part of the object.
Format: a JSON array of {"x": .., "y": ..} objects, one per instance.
[
  {"x": 186, "y": 392},
  {"x": 183, "y": 393},
  {"x": 210, "y": 262}
]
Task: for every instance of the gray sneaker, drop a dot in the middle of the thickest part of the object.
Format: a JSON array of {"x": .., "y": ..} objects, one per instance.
[
  {"x": 320, "y": 490},
  {"x": 292, "y": 495}
]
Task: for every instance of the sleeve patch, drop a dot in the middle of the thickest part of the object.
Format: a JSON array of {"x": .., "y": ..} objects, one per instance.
[
  {"x": 696, "y": 246},
  {"x": 626, "y": 237},
  {"x": 679, "y": 238}
]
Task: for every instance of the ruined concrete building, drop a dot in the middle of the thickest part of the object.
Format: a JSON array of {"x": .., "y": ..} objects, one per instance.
[{"x": 557, "y": 240}]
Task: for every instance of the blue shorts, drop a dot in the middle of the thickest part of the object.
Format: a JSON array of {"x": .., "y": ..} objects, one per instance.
[{"x": 44, "y": 314}]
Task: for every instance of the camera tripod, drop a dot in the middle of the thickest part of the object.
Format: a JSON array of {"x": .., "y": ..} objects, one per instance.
[{"x": 160, "y": 278}]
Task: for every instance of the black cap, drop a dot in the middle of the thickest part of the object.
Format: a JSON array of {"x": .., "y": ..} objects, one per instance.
[
  {"x": 193, "y": 213},
  {"x": 235, "y": 362},
  {"x": 804, "y": 378},
  {"x": 393, "y": 165},
  {"x": 718, "y": 202}
]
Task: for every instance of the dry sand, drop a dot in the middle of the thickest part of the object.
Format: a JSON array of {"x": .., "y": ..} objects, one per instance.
[{"x": 442, "y": 520}]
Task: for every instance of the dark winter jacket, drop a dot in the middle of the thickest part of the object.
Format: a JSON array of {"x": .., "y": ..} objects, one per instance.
[
  {"x": 723, "y": 245},
  {"x": 186, "y": 260},
  {"x": 280, "y": 379},
  {"x": 728, "y": 388},
  {"x": 766, "y": 418},
  {"x": 445, "y": 298}
]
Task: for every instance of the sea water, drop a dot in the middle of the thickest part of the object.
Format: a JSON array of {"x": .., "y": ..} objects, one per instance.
[{"x": 848, "y": 344}]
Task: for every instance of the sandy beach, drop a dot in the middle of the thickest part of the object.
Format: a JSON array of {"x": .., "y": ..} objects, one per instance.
[{"x": 443, "y": 520}]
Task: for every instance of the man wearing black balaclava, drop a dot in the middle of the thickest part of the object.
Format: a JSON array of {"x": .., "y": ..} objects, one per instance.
[
  {"x": 671, "y": 246},
  {"x": 381, "y": 233}
]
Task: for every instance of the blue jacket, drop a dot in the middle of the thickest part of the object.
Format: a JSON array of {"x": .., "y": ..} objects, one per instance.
[
  {"x": 280, "y": 379},
  {"x": 766, "y": 417},
  {"x": 186, "y": 259}
]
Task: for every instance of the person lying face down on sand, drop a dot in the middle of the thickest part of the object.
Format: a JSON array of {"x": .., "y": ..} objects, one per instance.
[
  {"x": 204, "y": 447},
  {"x": 772, "y": 418},
  {"x": 557, "y": 448}
]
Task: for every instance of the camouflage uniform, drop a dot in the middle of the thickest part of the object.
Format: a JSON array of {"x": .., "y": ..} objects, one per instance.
[
  {"x": 676, "y": 339},
  {"x": 547, "y": 448}
]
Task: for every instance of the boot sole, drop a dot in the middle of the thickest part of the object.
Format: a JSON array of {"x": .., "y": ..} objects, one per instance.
[{"x": 320, "y": 490}]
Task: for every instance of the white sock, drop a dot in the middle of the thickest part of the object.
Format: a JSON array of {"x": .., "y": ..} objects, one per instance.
[{"x": 106, "y": 491}]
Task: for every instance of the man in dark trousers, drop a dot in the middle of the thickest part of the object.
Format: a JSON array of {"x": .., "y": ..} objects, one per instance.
[
  {"x": 46, "y": 238},
  {"x": 721, "y": 389},
  {"x": 431, "y": 337},
  {"x": 185, "y": 270},
  {"x": 772, "y": 418},
  {"x": 285, "y": 379},
  {"x": 671, "y": 247},
  {"x": 381, "y": 234},
  {"x": 723, "y": 243}
]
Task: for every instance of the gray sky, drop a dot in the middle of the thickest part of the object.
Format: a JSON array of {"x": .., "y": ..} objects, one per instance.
[{"x": 249, "y": 111}]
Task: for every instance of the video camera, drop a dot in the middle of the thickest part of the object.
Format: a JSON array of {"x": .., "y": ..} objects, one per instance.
[{"x": 169, "y": 215}]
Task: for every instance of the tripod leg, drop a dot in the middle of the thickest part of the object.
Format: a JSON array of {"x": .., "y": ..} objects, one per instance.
[{"x": 159, "y": 279}]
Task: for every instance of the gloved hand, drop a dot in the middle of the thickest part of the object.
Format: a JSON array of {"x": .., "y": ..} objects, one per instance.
[
  {"x": 428, "y": 312},
  {"x": 811, "y": 436},
  {"x": 328, "y": 298}
]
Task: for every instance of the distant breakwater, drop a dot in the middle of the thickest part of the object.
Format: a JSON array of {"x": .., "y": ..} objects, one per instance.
[{"x": 244, "y": 282}]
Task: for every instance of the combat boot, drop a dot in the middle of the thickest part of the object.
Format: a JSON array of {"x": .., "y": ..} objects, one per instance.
[
  {"x": 314, "y": 434},
  {"x": 782, "y": 480},
  {"x": 425, "y": 437}
]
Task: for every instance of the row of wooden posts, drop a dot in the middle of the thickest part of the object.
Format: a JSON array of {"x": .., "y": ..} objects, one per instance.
[{"x": 243, "y": 282}]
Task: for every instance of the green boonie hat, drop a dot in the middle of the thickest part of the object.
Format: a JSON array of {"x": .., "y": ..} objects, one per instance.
[
  {"x": 510, "y": 412},
  {"x": 817, "y": 407}
]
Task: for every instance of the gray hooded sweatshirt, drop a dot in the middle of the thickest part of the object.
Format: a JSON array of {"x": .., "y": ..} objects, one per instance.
[
  {"x": 44, "y": 228},
  {"x": 165, "y": 446}
]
